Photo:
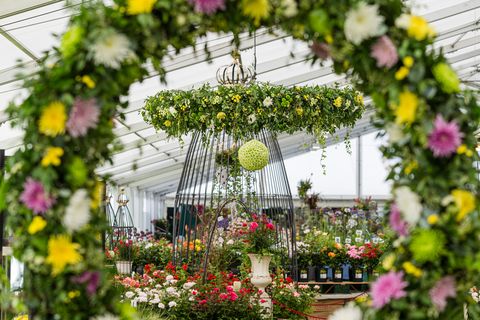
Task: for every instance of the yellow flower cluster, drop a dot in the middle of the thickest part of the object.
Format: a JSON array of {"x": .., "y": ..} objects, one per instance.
[
  {"x": 221, "y": 115},
  {"x": 52, "y": 120},
  {"x": 433, "y": 219},
  {"x": 236, "y": 98},
  {"x": 410, "y": 268},
  {"x": 406, "y": 110},
  {"x": 463, "y": 149},
  {"x": 167, "y": 123},
  {"x": 86, "y": 80},
  {"x": 465, "y": 202},
  {"x": 97, "y": 195},
  {"x": 404, "y": 70},
  {"x": 135, "y": 7},
  {"x": 37, "y": 224},
  {"x": 338, "y": 102},
  {"x": 62, "y": 252},
  {"x": 52, "y": 156},
  {"x": 410, "y": 167},
  {"x": 359, "y": 99},
  {"x": 299, "y": 111}
]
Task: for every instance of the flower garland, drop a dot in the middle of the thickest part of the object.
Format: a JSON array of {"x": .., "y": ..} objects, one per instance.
[
  {"x": 68, "y": 125},
  {"x": 245, "y": 110}
]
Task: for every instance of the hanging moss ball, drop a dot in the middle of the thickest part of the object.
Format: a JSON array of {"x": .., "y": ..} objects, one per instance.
[{"x": 253, "y": 155}]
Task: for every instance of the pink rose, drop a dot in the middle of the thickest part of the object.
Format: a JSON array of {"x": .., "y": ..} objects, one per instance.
[{"x": 253, "y": 226}]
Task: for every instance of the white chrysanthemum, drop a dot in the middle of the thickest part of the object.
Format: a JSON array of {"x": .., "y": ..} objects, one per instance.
[
  {"x": 129, "y": 294},
  {"x": 188, "y": 285},
  {"x": 111, "y": 50},
  {"x": 267, "y": 102},
  {"x": 403, "y": 22},
  {"x": 252, "y": 118},
  {"x": 172, "y": 304},
  {"x": 290, "y": 8},
  {"x": 161, "y": 305},
  {"x": 363, "y": 22},
  {"x": 77, "y": 213},
  {"x": 349, "y": 312},
  {"x": 394, "y": 133},
  {"x": 230, "y": 242},
  {"x": 409, "y": 204}
]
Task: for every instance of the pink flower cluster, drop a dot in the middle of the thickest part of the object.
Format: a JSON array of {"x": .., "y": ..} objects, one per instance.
[
  {"x": 230, "y": 294},
  {"x": 384, "y": 52},
  {"x": 396, "y": 222},
  {"x": 443, "y": 289},
  {"x": 355, "y": 252},
  {"x": 445, "y": 137},
  {"x": 208, "y": 6},
  {"x": 83, "y": 116},
  {"x": 253, "y": 226}
]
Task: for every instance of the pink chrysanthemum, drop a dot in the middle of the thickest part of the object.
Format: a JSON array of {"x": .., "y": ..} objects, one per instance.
[
  {"x": 34, "y": 196},
  {"x": 445, "y": 137},
  {"x": 83, "y": 116},
  {"x": 208, "y": 6},
  {"x": 384, "y": 52},
  {"x": 443, "y": 289},
  {"x": 396, "y": 222},
  {"x": 388, "y": 287},
  {"x": 91, "y": 278}
]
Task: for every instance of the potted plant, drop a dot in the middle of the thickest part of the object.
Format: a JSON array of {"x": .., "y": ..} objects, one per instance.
[
  {"x": 371, "y": 255},
  {"x": 260, "y": 241},
  {"x": 124, "y": 256},
  {"x": 355, "y": 259},
  {"x": 336, "y": 258}
]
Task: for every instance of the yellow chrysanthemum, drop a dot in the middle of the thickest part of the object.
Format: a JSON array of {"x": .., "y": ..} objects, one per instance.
[
  {"x": 37, "y": 224},
  {"x": 97, "y": 195},
  {"x": 135, "y": 7},
  {"x": 22, "y": 317},
  {"x": 419, "y": 29},
  {"x": 167, "y": 123},
  {"x": 433, "y": 219},
  {"x": 73, "y": 294},
  {"x": 256, "y": 9},
  {"x": 88, "y": 81},
  {"x": 221, "y": 116},
  {"x": 406, "y": 110},
  {"x": 408, "y": 61},
  {"x": 62, "y": 252},
  {"x": 299, "y": 111},
  {"x": 53, "y": 118},
  {"x": 402, "y": 73},
  {"x": 52, "y": 156},
  {"x": 465, "y": 202},
  {"x": 338, "y": 102},
  {"x": 410, "y": 268}
]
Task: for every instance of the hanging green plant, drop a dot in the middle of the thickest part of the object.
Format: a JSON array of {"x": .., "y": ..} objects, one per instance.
[
  {"x": 253, "y": 155},
  {"x": 245, "y": 110}
]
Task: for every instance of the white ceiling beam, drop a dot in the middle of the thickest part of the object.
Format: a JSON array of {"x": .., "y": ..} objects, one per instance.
[
  {"x": 452, "y": 11},
  {"x": 10, "y": 8}
]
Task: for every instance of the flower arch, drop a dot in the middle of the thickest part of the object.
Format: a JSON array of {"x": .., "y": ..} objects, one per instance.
[{"x": 53, "y": 198}]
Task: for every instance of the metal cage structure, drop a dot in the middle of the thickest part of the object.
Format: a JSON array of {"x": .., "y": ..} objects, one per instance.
[{"x": 214, "y": 191}]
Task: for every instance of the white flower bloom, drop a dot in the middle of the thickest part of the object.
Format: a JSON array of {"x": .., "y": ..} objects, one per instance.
[
  {"x": 394, "y": 133},
  {"x": 77, "y": 213},
  {"x": 161, "y": 305},
  {"x": 403, "y": 22},
  {"x": 171, "y": 290},
  {"x": 169, "y": 277},
  {"x": 290, "y": 7},
  {"x": 155, "y": 300},
  {"x": 363, "y": 22},
  {"x": 220, "y": 218},
  {"x": 230, "y": 242},
  {"x": 267, "y": 102},
  {"x": 447, "y": 200},
  {"x": 252, "y": 118},
  {"x": 129, "y": 294},
  {"x": 221, "y": 240},
  {"x": 349, "y": 312},
  {"x": 172, "y": 304},
  {"x": 316, "y": 287},
  {"x": 409, "y": 204},
  {"x": 111, "y": 50},
  {"x": 188, "y": 285},
  {"x": 172, "y": 111}
]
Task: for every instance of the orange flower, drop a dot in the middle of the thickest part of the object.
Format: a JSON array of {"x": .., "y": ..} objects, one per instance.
[
  {"x": 338, "y": 246},
  {"x": 331, "y": 255}
]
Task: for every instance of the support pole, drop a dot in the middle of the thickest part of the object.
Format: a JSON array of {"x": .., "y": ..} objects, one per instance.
[
  {"x": 2, "y": 213},
  {"x": 359, "y": 167}
]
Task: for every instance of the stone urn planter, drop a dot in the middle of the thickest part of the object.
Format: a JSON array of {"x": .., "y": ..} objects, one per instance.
[
  {"x": 124, "y": 266},
  {"x": 261, "y": 279}
]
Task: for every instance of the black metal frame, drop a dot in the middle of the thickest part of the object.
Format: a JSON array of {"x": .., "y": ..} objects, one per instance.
[
  {"x": 267, "y": 191},
  {"x": 3, "y": 214}
]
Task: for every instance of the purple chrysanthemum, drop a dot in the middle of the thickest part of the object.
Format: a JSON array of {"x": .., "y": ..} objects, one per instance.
[
  {"x": 83, "y": 116},
  {"x": 396, "y": 222},
  {"x": 91, "y": 278},
  {"x": 443, "y": 289},
  {"x": 388, "y": 287},
  {"x": 445, "y": 137},
  {"x": 34, "y": 196},
  {"x": 208, "y": 6}
]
